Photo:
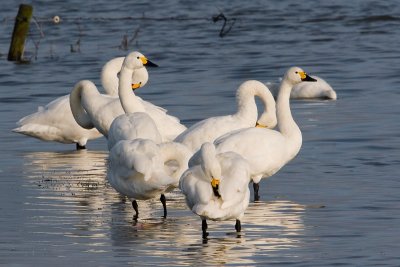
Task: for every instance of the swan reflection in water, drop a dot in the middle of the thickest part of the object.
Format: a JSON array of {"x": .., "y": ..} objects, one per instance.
[
  {"x": 71, "y": 171},
  {"x": 82, "y": 160},
  {"x": 269, "y": 228},
  {"x": 68, "y": 187},
  {"x": 68, "y": 197}
]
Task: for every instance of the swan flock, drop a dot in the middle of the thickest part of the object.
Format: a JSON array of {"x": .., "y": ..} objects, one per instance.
[{"x": 152, "y": 153}]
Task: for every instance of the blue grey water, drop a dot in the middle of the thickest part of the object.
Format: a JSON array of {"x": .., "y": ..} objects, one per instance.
[{"x": 336, "y": 203}]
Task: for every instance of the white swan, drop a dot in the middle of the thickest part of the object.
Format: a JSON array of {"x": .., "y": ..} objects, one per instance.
[
  {"x": 92, "y": 109},
  {"x": 55, "y": 122},
  {"x": 269, "y": 150},
  {"x": 316, "y": 90},
  {"x": 217, "y": 189},
  {"x": 246, "y": 116},
  {"x": 135, "y": 123},
  {"x": 138, "y": 169}
]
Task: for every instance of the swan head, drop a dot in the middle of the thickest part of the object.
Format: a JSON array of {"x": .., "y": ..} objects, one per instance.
[
  {"x": 136, "y": 60},
  {"x": 139, "y": 78},
  {"x": 211, "y": 166},
  {"x": 267, "y": 121},
  {"x": 297, "y": 75}
]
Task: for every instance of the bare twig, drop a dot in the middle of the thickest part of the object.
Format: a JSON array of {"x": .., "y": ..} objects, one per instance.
[
  {"x": 52, "y": 54},
  {"x": 135, "y": 35},
  {"x": 219, "y": 17},
  {"x": 77, "y": 46},
  {"x": 125, "y": 43},
  {"x": 41, "y": 36}
]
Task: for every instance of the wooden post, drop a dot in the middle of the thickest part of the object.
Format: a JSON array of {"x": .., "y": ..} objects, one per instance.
[{"x": 21, "y": 29}]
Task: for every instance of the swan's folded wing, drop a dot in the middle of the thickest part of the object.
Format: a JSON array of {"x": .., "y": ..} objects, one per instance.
[
  {"x": 194, "y": 188},
  {"x": 49, "y": 112},
  {"x": 141, "y": 164},
  {"x": 236, "y": 178},
  {"x": 149, "y": 105}
]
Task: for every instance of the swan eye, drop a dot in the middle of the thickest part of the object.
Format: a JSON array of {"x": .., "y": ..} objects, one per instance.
[
  {"x": 138, "y": 57},
  {"x": 297, "y": 72}
]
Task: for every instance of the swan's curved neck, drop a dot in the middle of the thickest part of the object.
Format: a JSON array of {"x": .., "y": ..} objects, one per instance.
[
  {"x": 247, "y": 107},
  {"x": 209, "y": 162},
  {"x": 286, "y": 124},
  {"x": 77, "y": 100},
  {"x": 109, "y": 76},
  {"x": 130, "y": 103},
  {"x": 178, "y": 152}
]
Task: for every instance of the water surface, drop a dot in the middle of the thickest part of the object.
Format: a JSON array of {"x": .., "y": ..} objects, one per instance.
[{"x": 336, "y": 203}]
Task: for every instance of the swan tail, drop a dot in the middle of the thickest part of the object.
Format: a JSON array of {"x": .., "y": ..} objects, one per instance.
[
  {"x": 332, "y": 95},
  {"x": 42, "y": 132},
  {"x": 31, "y": 118}
]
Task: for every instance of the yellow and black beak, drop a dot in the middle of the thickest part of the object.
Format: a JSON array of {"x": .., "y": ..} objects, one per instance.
[
  {"x": 215, "y": 186},
  {"x": 147, "y": 62},
  {"x": 306, "y": 78},
  {"x": 136, "y": 86},
  {"x": 260, "y": 125}
]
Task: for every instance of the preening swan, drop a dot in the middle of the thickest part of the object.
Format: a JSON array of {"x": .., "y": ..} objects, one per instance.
[
  {"x": 217, "y": 189},
  {"x": 138, "y": 169},
  {"x": 268, "y": 150},
  {"x": 55, "y": 121},
  {"x": 110, "y": 80},
  {"x": 92, "y": 109},
  {"x": 246, "y": 116},
  {"x": 316, "y": 90}
]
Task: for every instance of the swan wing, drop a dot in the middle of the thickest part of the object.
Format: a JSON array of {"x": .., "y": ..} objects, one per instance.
[
  {"x": 319, "y": 89},
  {"x": 236, "y": 177},
  {"x": 169, "y": 126},
  {"x": 55, "y": 122},
  {"x": 265, "y": 150},
  {"x": 196, "y": 190},
  {"x": 53, "y": 111},
  {"x": 208, "y": 130}
]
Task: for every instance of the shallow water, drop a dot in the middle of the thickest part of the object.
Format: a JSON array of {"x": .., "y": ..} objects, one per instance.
[{"x": 336, "y": 203}]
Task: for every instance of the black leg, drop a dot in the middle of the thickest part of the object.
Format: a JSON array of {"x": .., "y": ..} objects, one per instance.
[
  {"x": 256, "y": 187},
  {"x": 238, "y": 226},
  {"x": 204, "y": 228},
  {"x": 164, "y": 204},
  {"x": 135, "y": 207},
  {"x": 79, "y": 147}
]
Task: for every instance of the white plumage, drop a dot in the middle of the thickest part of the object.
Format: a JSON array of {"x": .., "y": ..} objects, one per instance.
[
  {"x": 92, "y": 109},
  {"x": 316, "y": 90},
  {"x": 139, "y": 169},
  {"x": 246, "y": 116},
  {"x": 135, "y": 122},
  {"x": 131, "y": 126},
  {"x": 55, "y": 122},
  {"x": 266, "y": 150},
  {"x": 217, "y": 188}
]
